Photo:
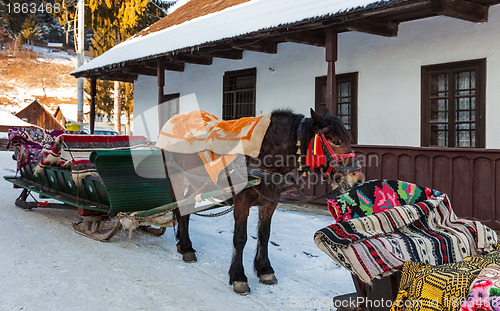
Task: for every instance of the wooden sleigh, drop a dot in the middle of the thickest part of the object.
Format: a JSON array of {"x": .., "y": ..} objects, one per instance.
[{"x": 132, "y": 192}]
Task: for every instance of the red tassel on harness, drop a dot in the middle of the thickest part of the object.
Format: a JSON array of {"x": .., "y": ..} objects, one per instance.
[{"x": 315, "y": 157}]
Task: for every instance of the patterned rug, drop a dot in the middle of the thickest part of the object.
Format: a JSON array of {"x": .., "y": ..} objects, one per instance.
[
  {"x": 198, "y": 131},
  {"x": 67, "y": 149},
  {"x": 377, "y": 196},
  {"x": 29, "y": 143},
  {"x": 445, "y": 287},
  {"x": 403, "y": 222},
  {"x": 73, "y": 152}
]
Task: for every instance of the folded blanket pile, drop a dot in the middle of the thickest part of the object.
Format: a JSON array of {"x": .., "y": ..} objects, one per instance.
[
  {"x": 378, "y": 244},
  {"x": 445, "y": 287},
  {"x": 66, "y": 149},
  {"x": 29, "y": 143},
  {"x": 73, "y": 152}
]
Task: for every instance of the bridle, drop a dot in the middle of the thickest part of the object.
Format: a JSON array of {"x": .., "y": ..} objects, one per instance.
[{"x": 317, "y": 148}]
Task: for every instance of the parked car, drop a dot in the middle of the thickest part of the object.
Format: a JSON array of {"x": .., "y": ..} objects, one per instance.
[{"x": 101, "y": 131}]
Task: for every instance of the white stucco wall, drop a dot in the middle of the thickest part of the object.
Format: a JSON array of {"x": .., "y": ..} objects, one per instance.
[
  {"x": 390, "y": 71},
  {"x": 388, "y": 86}
]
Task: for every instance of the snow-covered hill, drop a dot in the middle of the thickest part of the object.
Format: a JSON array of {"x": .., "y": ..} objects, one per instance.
[{"x": 45, "y": 78}]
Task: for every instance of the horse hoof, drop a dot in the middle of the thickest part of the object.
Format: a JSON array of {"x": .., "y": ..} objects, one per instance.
[
  {"x": 189, "y": 257},
  {"x": 268, "y": 279},
  {"x": 241, "y": 288}
]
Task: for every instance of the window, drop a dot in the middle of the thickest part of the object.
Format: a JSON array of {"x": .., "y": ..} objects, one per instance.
[
  {"x": 239, "y": 94},
  {"x": 347, "y": 89},
  {"x": 169, "y": 107},
  {"x": 453, "y": 104}
]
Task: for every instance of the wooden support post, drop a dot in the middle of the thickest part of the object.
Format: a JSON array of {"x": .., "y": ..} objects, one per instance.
[
  {"x": 160, "y": 76},
  {"x": 93, "y": 92},
  {"x": 331, "y": 81}
]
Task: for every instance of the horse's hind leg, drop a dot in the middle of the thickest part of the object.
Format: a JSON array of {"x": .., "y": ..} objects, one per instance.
[
  {"x": 237, "y": 275},
  {"x": 262, "y": 264},
  {"x": 184, "y": 245}
]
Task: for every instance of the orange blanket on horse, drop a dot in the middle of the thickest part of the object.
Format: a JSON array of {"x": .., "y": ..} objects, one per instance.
[
  {"x": 199, "y": 131},
  {"x": 217, "y": 142}
]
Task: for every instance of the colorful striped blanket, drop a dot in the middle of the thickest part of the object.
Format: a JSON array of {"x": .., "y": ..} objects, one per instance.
[
  {"x": 29, "y": 143},
  {"x": 423, "y": 229}
]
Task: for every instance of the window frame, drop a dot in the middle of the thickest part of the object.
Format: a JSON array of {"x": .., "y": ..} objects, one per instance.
[
  {"x": 235, "y": 73},
  {"x": 479, "y": 66},
  {"x": 351, "y": 77},
  {"x": 162, "y": 114}
]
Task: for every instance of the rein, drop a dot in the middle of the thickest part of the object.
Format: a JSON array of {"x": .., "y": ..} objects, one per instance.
[{"x": 269, "y": 177}]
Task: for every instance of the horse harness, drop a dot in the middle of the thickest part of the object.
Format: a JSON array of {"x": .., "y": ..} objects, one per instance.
[{"x": 335, "y": 161}]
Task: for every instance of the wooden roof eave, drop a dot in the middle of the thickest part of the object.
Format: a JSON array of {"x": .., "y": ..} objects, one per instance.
[{"x": 383, "y": 21}]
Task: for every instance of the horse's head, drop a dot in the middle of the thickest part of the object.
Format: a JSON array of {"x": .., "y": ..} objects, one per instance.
[{"x": 329, "y": 150}]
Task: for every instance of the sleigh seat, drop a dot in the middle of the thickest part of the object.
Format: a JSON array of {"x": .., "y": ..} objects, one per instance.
[{"x": 96, "y": 173}]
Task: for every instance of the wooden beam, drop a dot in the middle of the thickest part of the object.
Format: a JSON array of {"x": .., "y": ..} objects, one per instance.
[
  {"x": 193, "y": 59},
  {"x": 122, "y": 77},
  {"x": 172, "y": 66},
  {"x": 93, "y": 92},
  {"x": 469, "y": 11},
  {"x": 386, "y": 29},
  {"x": 229, "y": 53},
  {"x": 168, "y": 64},
  {"x": 160, "y": 79},
  {"x": 139, "y": 70},
  {"x": 331, "y": 56},
  {"x": 259, "y": 46},
  {"x": 316, "y": 38}
]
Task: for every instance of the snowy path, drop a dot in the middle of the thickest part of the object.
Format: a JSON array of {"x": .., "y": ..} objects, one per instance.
[{"x": 44, "y": 265}]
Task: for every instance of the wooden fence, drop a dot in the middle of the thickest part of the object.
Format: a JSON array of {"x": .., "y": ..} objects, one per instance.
[
  {"x": 3, "y": 144},
  {"x": 470, "y": 177}
]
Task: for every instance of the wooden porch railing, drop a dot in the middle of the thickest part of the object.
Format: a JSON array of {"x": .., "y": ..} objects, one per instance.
[{"x": 470, "y": 177}]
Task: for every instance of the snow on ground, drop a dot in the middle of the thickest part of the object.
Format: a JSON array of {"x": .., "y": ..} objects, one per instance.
[
  {"x": 44, "y": 265},
  {"x": 47, "y": 53}
]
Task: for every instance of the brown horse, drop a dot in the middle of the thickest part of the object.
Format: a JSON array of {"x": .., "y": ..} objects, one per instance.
[{"x": 278, "y": 156}]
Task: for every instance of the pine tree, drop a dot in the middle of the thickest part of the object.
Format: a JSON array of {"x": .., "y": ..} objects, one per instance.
[
  {"x": 13, "y": 23},
  {"x": 31, "y": 30},
  {"x": 113, "y": 21}
]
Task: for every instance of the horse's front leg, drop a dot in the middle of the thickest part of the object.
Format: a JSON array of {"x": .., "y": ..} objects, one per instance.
[
  {"x": 262, "y": 264},
  {"x": 184, "y": 245},
  {"x": 237, "y": 275}
]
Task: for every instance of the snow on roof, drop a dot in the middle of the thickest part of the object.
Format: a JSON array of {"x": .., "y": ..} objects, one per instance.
[
  {"x": 230, "y": 22},
  {"x": 186, "y": 10},
  {"x": 8, "y": 119},
  {"x": 69, "y": 111}
]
